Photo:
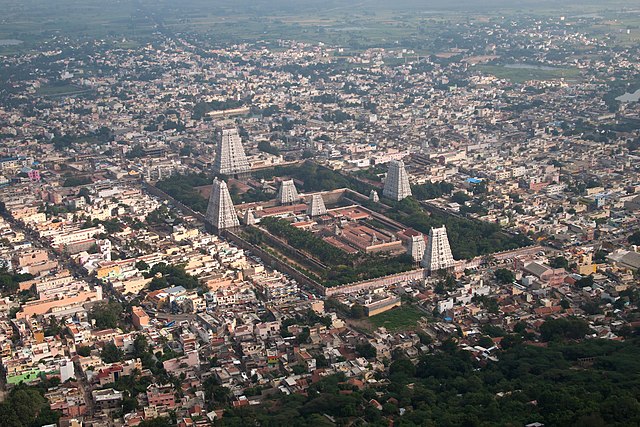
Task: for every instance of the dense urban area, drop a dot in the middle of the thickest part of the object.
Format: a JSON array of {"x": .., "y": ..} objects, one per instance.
[{"x": 434, "y": 223}]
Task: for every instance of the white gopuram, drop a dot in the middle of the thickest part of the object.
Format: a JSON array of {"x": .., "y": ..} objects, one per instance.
[
  {"x": 416, "y": 248},
  {"x": 220, "y": 211},
  {"x": 396, "y": 186},
  {"x": 287, "y": 194},
  {"x": 230, "y": 158},
  {"x": 437, "y": 255},
  {"x": 316, "y": 206}
]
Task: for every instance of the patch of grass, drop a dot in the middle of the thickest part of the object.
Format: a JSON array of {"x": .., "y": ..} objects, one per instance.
[
  {"x": 59, "y": 89},
  {"x": 521, "y": 75},
  {"x": 403, "y": 318}
]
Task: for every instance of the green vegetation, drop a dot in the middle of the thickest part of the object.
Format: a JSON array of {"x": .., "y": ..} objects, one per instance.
[
  {"x": 430, "y": 190},
  {"x": 521, "y": 75},
  {"x": 315, "y": 177},
  {"x": 341, "y": 267},
  {"x": 26, "y": 406},
  {"x": 268, "y": 148},
  {"x": 83, "y": 350},
  {"x": 448, "y": 388},
  {"x": 366, "y": 350},
  {"x": 76, "y": 181},
  {"x": 59, "y": 89},
  {"x": 106, "y": 314},
  {"x": 306, "y": 241},
  {"x": 504, "y": 276},
  {"x": 10, "y": 282},
  {"x": 468, "y": 238},
  {"x": 110, "y": 353},
  {"x": 170, "y": 275},
  {"x": 559, "y": 262},
  {"x": 182, "y": 188},
  {"x": 403, "y": 318},
  {"x": 559, "y": 329},
  {"x": 101, "y": 136},
  {"x": 634, "y": 239}
]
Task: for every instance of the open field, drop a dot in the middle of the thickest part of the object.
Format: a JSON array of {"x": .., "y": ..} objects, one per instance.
[
  {"x": 356, "y": 23},
  {"x": 60, "y": 90},
  {"x": 521, "y": 75},
  {"x": 403, "y": 318}
]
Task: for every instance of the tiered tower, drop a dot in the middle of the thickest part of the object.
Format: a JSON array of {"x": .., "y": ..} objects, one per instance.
[
  {"x": 438, "y": 255},
  {"x": 373, "y": 196},
  {"x": 230, "y": 158},
  {"x": 316, "y": 206},
  {"x": 220, "y": 211},
  {"x": 287, "y": 194},
  {"x": 417, "y": 247},
  {"x": 249, "y": 217},
  {"x": 396, "y": 186}
]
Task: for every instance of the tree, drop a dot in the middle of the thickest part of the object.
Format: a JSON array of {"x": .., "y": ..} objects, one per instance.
[
  {"x": 559, "y": 262},
  {"x": 83, "y": 350},
  {"x": 564, "y": 328},
  {"x": 111, "y": 354},
  {"x": 460, "y": 197},
  {"x": 303, "y": 336},
  {"x": 634, "y": 239},
  {"x": 156, "y": 422},
  {"x": 357, "y": 311},
  {"x": 485, "y": 342},
  {"x": 25, "y": 406},
  {"x": 106, "y": 315},
  {"x": 266, "y": 147},
  {"x": 366, "y": 350},
  {"x": 425, "y": 339},
  {"x": 585, "y": 281},
  {"x": 504, "y": 276},
  {"x": 142, "y": 266},
  {"x": 402, "y": 368}
]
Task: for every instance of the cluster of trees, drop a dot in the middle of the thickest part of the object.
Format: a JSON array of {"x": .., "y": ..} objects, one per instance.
[
  {"x": 368, "y": 267},
  {"x": 170, "y": 275},
  {"x": 26, "y": 406},
  {"x": 315, "y": 177},
  {"x": 468, "y": 238},
  {"x": 10, "y": 282},
  {"x": 336, "y": 116},
  {"x": 100, "y": 136},
  {"x": 431, "y": 190},
  {"x": 634, "y": 239},
  {"x": 564, "y": 328},
  {"x": 449, "y": 388},
  {"x": 559, "y": 262},
  {"x": 76, "y": 181},
  {"x": 266, "y": 147},
  {"x": 182, "y": 188},
  {"x": 305, "y": 241},
  {"x": 106, "y": 314},
  {"x": 136, "y": 152},
  {"x": 504, "y": 275},
  {"x": 343, "y": 267}
]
